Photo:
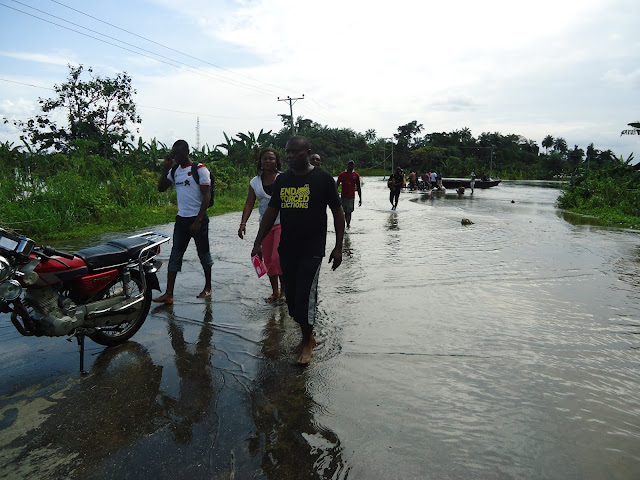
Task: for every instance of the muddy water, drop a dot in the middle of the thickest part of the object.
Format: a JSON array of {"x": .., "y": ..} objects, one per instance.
[{"x": 503, "y": 349}]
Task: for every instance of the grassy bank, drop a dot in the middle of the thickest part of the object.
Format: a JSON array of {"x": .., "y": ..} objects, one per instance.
[
  {"x": 611, "y": 195},
  {"x": 125, "y": 218}
]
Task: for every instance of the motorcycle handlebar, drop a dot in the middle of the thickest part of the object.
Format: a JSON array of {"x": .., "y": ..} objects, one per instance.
[{"x": 49, "y": 251}]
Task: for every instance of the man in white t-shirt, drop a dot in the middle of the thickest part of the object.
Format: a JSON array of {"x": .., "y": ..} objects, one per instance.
[{"x": 192, "y": 220}]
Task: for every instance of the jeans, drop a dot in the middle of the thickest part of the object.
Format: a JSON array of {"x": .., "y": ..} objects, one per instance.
[{"x": 181, "y": 237}]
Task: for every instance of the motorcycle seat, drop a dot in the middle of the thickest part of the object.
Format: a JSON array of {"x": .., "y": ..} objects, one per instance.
[{"x": 114, "y": 253}]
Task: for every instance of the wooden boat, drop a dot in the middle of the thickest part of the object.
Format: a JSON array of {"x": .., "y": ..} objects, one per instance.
[{"x": 466, "y": 183}]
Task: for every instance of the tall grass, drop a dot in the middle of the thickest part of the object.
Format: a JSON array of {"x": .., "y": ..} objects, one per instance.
[{"x": 51, "y": 197}]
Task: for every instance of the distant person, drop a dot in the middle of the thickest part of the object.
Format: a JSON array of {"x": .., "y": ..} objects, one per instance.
[
  {"x": 433, "y": 178},
  {"x": 395, "y": 182},
  {"x": 192, "y": 220},
  {"x": 350, "y": 181},
  {"x": 439, "y": 180},
  {"x": 315, "y": 160},
  {"x": 472, "y": 184},
  {"x": 301, "y": 196},
  {"x": 413, "y": 180},
  {"x": 425, "y": 179},
  {"x": 261, "y": 188}
]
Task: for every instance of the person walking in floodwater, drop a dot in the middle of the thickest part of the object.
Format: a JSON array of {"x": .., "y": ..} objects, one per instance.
[
  {"x": 192, "y": 220},
  {"x": 395, "y": 182},
  {"x": 261, "y": 188},
  {"x": 413, "y": 180},
  {"x": 301, "y": 196},
  {"x": 350, "y": 181}
]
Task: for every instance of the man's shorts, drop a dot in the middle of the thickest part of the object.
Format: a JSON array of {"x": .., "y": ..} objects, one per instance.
[
  {"x": 300, "y": 275},
  {"x": 347, "y": 204}
]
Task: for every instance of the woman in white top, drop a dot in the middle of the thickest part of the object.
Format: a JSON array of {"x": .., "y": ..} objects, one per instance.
[{"x": 260, "y": 188}]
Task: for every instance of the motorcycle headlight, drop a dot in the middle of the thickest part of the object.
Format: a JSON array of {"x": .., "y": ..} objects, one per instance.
[
  {"x": 5, "y": 269},
  {"x": 10, "y": 290},
  {"x": 29, "y": 278}
]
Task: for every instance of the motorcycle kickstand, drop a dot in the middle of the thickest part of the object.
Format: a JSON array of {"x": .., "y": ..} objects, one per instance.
[
  {"x": 80, "y": 334},
  {"x": 80, "y": 338}
]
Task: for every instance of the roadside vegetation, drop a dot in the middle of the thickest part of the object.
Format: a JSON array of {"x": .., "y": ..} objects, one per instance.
[
  {"x": 611, "y": 194},
  {"x": 91, "y": 174}
]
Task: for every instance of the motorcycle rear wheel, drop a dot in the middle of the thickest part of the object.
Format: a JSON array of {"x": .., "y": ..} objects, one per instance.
[{"x": 131, "y": 322}]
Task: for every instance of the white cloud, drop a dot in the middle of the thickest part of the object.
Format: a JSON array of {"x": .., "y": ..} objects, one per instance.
[
  {"x": 49, "y": 58},
  {"x": 559, "y": 67},
  {"x": 629, "y": 80}
]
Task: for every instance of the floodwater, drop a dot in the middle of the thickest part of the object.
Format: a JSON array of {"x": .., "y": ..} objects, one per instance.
[{"x": 505, "y": 349}]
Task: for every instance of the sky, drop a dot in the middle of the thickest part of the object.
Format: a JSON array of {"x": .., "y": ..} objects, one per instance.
[{"x": 563, "y": 68}]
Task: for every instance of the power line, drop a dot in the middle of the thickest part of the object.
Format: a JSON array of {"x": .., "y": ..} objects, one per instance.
[
  {"x": 137, "y": 105},
  {"x": 187, "y": 113},
  {"x": 27, "y": 84},
  {"x": 163, "y": 46},
  {"x": 168, "y": 60}
]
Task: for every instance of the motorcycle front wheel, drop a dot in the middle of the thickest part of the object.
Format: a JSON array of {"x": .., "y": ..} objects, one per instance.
[{"x": 127, "y": 324}]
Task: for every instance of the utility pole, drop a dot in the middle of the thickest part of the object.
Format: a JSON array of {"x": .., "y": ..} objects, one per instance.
[
  {"x": 198, "y": 134},
  {"x": 291, "y": 102},
  {"x": 392, "y": 167},
  {"x": 384, "y": 157}
]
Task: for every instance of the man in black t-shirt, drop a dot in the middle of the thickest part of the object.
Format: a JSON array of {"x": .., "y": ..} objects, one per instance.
[{"x": 301, "y": 195}]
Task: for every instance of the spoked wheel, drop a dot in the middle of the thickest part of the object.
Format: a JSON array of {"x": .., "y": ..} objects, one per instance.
[{"x": 125, "y": 325}]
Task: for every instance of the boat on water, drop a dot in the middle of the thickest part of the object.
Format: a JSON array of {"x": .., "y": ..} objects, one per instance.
[
  {"x": 454, "y": 184},
  {"x": 466, "y": 183}
]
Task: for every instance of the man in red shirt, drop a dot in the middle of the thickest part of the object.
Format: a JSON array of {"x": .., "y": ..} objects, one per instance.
[{"x": 350, "y": 182}]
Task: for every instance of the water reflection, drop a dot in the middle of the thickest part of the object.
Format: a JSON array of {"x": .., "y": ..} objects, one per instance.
[
  {"x": 577, "y": 219},
  {"x": 392, "y": 221},
  {"x": 347, "y": 251},
  {"x": 293, "y": 445},
  {"x": 197, "y": 385},
  {"x": 84, "y": 423}
]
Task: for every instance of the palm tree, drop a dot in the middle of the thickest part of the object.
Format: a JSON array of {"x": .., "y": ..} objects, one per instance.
[
  {"x": 370, "y": 135},
  {"x": 464, "y": 135},
  {"x": 547, "y": 143},
  {"x": 560, "y": 145}
]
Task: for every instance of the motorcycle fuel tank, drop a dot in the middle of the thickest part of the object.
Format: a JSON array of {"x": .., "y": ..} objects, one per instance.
[{"x": 58, "y": 269}]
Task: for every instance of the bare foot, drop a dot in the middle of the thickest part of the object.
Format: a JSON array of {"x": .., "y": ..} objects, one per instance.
[
  {"x": 299, "y": 347},
  {"x": 204, "y": 294},
  {"x": 164, "y": 298},
  {"x": 305, "y": 353}
]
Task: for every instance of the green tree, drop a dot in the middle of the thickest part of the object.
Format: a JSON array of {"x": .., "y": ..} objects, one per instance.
[
  {"x": 547, "y": 143},
  {"x": 98, "y": 110},
  {"x": 370, "y": 135},
  {"x": 408, "y": 132},
  {"x": 560, "y": 145},
  {"x": 575, "y": 158}
]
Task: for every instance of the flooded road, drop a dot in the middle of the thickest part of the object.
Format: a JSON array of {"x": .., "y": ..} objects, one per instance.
[{"x": 506, "y": 349}]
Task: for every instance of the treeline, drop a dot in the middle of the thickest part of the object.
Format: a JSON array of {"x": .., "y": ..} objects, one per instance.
[
  {"x": 67, "y": 179},
  {"x": 455, "y": 154}
]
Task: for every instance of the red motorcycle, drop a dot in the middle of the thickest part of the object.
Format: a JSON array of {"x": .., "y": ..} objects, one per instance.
[{"x": 103, "y": 292}]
